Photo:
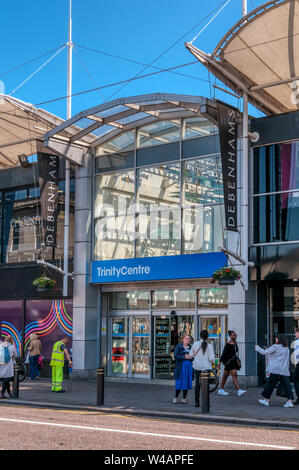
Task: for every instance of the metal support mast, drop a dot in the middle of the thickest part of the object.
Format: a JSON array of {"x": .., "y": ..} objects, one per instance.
[
  {"x": 244, "y": 199},
  {"x": 67, "y": 163}
]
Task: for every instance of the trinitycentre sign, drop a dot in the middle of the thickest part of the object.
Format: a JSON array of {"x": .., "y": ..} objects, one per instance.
[{"x": 199, "y": 265}]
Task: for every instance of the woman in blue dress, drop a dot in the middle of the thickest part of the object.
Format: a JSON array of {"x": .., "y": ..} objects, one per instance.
[{"x": 183, "y": 371}]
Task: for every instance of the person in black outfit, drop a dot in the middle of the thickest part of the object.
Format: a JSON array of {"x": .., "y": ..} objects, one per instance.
[{"x": 230, "y": 360}]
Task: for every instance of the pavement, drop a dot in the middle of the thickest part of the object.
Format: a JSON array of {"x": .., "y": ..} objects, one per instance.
[{"x": 154, "y": 399}]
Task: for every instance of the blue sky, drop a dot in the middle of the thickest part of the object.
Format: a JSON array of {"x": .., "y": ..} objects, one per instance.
[{"x": 136, "y": 29}]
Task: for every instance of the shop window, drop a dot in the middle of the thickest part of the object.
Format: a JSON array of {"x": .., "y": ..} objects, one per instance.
[
  {"x": 134, "y": 300},
  {"x": 203, "y": 229},
  {"x": 158, "y": 186},
  {"x": 197, "y": 127},
  {"x": 176, "y": 299},
  {"x": 202, "y": 181},
  {"x": 276, "y": 168},
  {"x": 212, "y": 298},
  {"x": 160, "y": 132},
  {"x": 276, "y": 217}
]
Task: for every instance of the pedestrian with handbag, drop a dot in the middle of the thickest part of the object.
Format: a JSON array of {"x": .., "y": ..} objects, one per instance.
[
  {"x": 279, "y": 368},
  {"x": 35, "y": 350},
  {"x": 203, "y": 357},
  {"x": 231, "y": 361},
  {"x": 183, "y": 372},
  {"x": 7, "y": 368}
]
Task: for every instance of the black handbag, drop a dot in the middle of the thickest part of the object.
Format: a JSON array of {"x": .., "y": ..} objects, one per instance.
[{"x": 280, "y": 392}]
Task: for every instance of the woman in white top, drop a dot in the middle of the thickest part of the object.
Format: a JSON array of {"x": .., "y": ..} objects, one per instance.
[
  {"x": 203, "y": 357},
  {"x": 279, "y": 368},
  {"x": 7, "y": 370}
]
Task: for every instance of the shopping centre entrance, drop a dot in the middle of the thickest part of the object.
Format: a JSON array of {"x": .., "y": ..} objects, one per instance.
[{"x": 142, "y": 345}]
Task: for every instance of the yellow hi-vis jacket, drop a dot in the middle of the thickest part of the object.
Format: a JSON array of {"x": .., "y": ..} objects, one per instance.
[{"x": 57, "y": 358}]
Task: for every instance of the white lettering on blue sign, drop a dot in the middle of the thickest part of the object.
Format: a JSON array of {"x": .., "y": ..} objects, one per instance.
[{"x": 123, "y": 271}]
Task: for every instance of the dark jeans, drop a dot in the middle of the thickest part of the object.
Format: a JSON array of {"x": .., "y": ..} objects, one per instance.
[
  {"x": 33, "y": 367},
  {"x": 272, "y": 382},
  {"x": 296, "y": 380},
  {"x": 197, "y": 374}
]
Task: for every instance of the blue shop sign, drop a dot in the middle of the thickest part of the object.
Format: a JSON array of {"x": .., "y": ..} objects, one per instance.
[{"x": 199, "y": 265}]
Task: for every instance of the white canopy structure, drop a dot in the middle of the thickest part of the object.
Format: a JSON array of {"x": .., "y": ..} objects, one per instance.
[
  {"x": 22, "y": 129},
  {"x": 259, "y": 55}
]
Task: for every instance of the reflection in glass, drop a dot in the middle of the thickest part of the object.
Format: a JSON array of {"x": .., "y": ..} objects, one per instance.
[
  {"x": 158, "y": 185},
  {"x": 158, "y": 233},
  {"x": 132, "y": 300},
  {"x": 114, "y": 238},
  {"x": 202, "y": 181},
  {"x": 276, "y": 217},
  {"x": 123, "y": 142},
  {"x": 141, "y": 345},
  {"x": 196, "y": 127},
  {"x": 276, "y": 168},
  {"x": 161, "y": 132},
  {"x": 119, "y": 360},
  {"x": 212, "y": 325},
  {"x": 114, "y": 193},
  {"x": 202, "y": 229},
  {"x": 213, "y": 298},
  {"x": 174, "y": 298}
]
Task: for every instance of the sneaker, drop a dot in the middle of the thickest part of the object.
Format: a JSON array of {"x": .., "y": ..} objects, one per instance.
[
  {"x": 222, "y": 392},
  {"x": 175, "y": 400},
  {"x": 241, "y": 392},
  {"x": 288, "y": 404},
  {"x": 184, "y": 400},
  {"x": 264, "y": 402}
]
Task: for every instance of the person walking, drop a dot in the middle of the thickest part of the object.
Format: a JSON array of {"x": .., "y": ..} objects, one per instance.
[
  {"x": 203, "y": 357},
  {"x": 7, "y": 369},
  {"x": 57, "y": 363},
  {"x": 279, "y": 368},
  {"x": 183, "y": 372},
  {"x": 35, "y": 350},
  {"x": 296, "y": 373},
  {"x": 230, "y": 359}
]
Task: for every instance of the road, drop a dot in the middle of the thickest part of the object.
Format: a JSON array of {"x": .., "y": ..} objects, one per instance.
[{"x": 48, "y": 429}]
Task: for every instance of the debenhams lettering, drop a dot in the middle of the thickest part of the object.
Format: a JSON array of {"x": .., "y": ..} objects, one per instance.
[{"x": 48, "y": 167}]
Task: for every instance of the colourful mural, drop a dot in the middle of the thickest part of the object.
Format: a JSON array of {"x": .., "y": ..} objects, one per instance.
[{"x": 50, "y": 320}]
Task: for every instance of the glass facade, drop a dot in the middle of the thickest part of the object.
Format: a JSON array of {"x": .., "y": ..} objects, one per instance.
[
  {"x": 146, "y": 326},
  {"x": 276, "y": 193},
  {"x": 21, "y": 225},
  {"x": 164, "y": 204}
]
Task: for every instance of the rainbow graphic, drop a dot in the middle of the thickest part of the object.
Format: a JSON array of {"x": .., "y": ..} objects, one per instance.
[
  {"x": 8, "y": 329},
  {"x": 57, "y": 316}
]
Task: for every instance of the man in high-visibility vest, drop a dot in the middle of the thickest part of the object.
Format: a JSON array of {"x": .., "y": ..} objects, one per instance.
[{"x": 57, "y": 363}]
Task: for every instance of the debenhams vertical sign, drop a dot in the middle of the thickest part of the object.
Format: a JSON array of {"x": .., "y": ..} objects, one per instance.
[
  {"x": 48, "y": 175},
  {"x": 228, "y": 118}
]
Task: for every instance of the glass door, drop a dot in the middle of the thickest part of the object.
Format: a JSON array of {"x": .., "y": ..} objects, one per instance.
[
  {"x": 119, "y": 346},
  {"x": 217, "y": 329},
  {"x": 140, "y": 364}
]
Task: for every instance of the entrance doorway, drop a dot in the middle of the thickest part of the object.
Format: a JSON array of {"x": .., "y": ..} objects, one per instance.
[
  {"x": 217, "y": 329},
  {"x": 130, "y": 346},
  {"x": 168, "y": 330}
]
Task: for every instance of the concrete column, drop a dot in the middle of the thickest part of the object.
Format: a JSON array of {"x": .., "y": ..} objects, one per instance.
[{"x": 85, "y": 296}]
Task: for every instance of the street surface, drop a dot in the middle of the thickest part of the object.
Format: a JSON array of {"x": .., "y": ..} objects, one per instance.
[{"x": 48, "y": 429}]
